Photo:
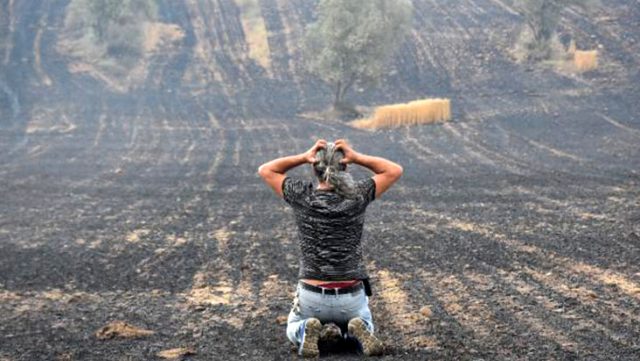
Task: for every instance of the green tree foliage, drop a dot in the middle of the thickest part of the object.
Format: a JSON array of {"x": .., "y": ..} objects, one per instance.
[
  {"x": 115, "y": 25},
  {"x": 541, "y": 20},
  {"x": 110, "y": 13},
  {"x": 352, "y": 41}
]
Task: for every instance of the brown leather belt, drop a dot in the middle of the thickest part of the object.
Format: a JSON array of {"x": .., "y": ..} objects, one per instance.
[{"x": 332, "y": 291}]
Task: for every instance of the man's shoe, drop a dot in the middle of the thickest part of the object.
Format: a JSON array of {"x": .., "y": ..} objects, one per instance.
[
  {"x": 370, "y": 344},
  {"x": 310, "y": 335}
]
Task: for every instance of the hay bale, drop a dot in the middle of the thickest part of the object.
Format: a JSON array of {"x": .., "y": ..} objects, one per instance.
[
  {"x": 424, "y": 111},
  {"x": 585, "y": 60}
]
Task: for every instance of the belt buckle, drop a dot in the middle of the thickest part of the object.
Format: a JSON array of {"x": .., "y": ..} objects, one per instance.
[{"x": 333, "y": 291}]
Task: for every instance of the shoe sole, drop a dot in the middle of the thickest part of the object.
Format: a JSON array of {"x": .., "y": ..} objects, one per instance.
[
  {"x": 371, "y": 346},
  {"x": 311, "y": 335}
]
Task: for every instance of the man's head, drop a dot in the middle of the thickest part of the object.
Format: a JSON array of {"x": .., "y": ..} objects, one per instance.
[{"x": 329, "y": 169}]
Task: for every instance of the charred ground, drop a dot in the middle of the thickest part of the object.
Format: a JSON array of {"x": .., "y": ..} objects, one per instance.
[{"x": 516, "y": 224}]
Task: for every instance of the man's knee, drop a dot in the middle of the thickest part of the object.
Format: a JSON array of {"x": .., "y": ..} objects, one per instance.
[{"x": 293, "y": 327}]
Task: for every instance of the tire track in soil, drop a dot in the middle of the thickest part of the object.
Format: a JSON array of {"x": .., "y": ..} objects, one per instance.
[
  {"x": 215, "y": 164},
  {"x": 562, "y": 135},
  {"x": 541, "y": 258},
  {"x": 276, "y": 39},
  {"x": 461, "y": 322},
  {"x": 57, "y": 146},
  {"x": 541, "y": 163},
  {"x": 293, "y": 32},
  {"x": 230, "y": 13},
  {"x": 423, "y": 152},
  {"x": 214, "y": 282},
  {"x": 168, "y": 151},
  {"x": 577, "y": 167},
  {"x": 425, "y": 22},
  {"x": 11, "y": 29},
  {"x": 562, "y": 300},
  {"x": 627, "y": 129},
  {"x": 220, "y": 21},
  {"x": 554, "y": 151},
  {"x": 87, "y": 114},
  {"x": 550, "y": 259},
  {"x": 186, "y": 216},
  {"x": 510, "y": 164},
  {"x": 19, "y": 53},
  {"x": 518, "y": 144},
  {"x": 454, "y": 306},
  {"x": 577, "y": 212},
  {"x": 446, "y": 10},
  {"x": 482, "y": 319},
  {"x": 500, "y": 4},
  {"x": 460, "y": 131},
  {"x": 486, "y": 326},
  {"x": 133, "y": 138},
  {"x": 179, "y": 163},
  {"x": 255, "y": 286},
  {"x": 521, "y": 318},
  {"x": 552, "y": 320},
  {"x": 397, "y": 316}
]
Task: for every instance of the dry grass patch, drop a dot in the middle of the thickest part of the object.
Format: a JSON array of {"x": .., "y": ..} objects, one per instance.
[
  {"x": 50, "y": 121},
  {"x": 424, "y": 342},
  {"x": 158, "y": 36},
  {"x": 176, "y": 353},
  {"x": 211, "y": 295},
  {"x": 409, "y": 324},
  {"x": 423, "y": 111},
  {"x": 282, "y": 319},
  {"x": 121, "y": 329},
  {"x": 203, "y": 294},
  {"x": 136, "y": 235},
  {"x": 255, "y": 32}
]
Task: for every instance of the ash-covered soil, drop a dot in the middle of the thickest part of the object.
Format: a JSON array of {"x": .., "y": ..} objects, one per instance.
[{"x": 514, "y": 233}]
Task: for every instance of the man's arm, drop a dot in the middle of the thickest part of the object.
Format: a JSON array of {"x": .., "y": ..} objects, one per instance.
[
  {"x": 274, "y": 172},
  {"x": 386, "y": 171}
]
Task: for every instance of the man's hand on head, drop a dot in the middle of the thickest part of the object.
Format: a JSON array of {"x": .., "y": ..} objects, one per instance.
[
  {"x": 350, "y": 155},
  {"x": 310, "y": 155}
]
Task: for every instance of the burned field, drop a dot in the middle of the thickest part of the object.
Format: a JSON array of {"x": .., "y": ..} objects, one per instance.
[{"x": 514, "y": 233}]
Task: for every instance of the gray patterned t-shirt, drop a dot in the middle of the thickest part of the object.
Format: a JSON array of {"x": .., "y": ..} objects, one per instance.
[{"x": 329, "y": 229}]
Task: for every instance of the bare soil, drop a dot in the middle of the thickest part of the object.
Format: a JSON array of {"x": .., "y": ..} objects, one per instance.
[{"x": 514, "y": 233}]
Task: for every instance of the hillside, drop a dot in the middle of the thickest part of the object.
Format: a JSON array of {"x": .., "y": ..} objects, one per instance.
[{"x": 133, "y": 194}]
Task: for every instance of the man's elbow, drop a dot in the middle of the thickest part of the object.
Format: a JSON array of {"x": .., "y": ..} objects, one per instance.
[
  {"x": 263, "y": 171},
  {"x": 397, "y": 171}
]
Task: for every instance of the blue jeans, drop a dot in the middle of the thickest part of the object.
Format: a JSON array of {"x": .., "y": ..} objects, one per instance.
[{"x": 338, "y": 309}]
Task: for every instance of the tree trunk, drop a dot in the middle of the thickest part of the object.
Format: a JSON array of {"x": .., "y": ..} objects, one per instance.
[
  {"x": 341, "y": 91},
  {"x": 337, "y": 99}
]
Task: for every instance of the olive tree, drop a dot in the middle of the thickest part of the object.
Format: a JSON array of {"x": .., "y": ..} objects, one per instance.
[
  {"x": 541, "y": 21},
  {"x": 352, "y": 41}
]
